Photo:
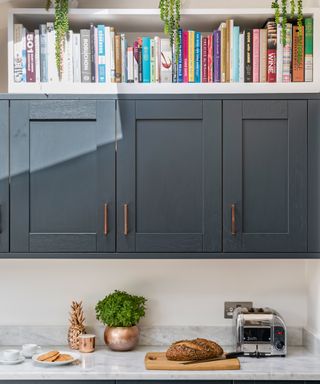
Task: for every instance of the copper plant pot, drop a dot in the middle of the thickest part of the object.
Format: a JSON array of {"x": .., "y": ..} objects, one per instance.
[{"x": 121, "y": 338}]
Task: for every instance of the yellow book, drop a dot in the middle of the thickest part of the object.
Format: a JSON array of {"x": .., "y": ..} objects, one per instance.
[
  {"x": 229, "y": 50},
  {"x": 223, "y": 29},
  {"x": 191, "y": 54}
]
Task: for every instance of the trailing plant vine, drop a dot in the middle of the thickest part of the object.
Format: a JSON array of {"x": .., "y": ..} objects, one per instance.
[{"x": 170, "y": 14}]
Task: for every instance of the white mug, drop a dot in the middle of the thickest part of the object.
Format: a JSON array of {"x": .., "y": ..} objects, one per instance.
[
  {"x": 11, "y": 355},
  {"x": 28, "y": 350}
]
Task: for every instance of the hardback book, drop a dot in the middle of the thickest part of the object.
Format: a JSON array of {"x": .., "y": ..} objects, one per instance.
[
  {"x": 96, "y": 54},
  {"x": 263, "y": 55},
  {"x": 197, "y": 64},
  {"x": 101, "y": 49},
  {"x": 297, "y": 55},
  {"x": 217, "y": 56},
  {"x": 53, "y": 74},
  {"x": 205, "y": 59},
  {"x": 146, "y": 59},
  {"x": 180, "y": 58},
  {"x": 67, "y": 74},
  {"x": 92, "y": 53},
  {"x": 229, "y": 50},
  {"x": 241, "y": 58},
  {"x": 271, "y": 52},
  {"x": 166, "y": 61},
  {"x": 76, "y": 58},
  {"x": 43, "y": 53},
  {"x": 37, "y": 53},
  {"x": 152, "y": 61},
  {"x": 191, "y": 54},
  {"x": 248, "y": 56},
  {"x": 85, "y": 55},
  {"x": 256, "y": 55},
  {"x": 223, "y": 56},
  {"x": 107, "y": 35},
  {"x": 136, "y": 62},
  {"x": 24, "y": 54},
  {"x": 140, "y": 61},
  {"x": 157, "y": 49},
  {"x": 31, "y": 65},
  {"x": 308, "y": 59},
  {"x": 174, "y": 64},
  {"x": 130, "y": 64},
  {"x": 279, "y": 54},
  {"x": 118, "y": 58},
  {"x": 112, "y": 56},
  {"x": 235, "y": 61},
  {"x": 17, "y": 60},
  {"x": 210, "y": 58},
  {"x": 185, "y": 45},
  {"x": 124, "y": 46},
  {"x": 287, "y": 55}
]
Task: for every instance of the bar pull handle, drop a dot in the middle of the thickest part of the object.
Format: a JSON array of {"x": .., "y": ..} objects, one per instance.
[
  {"x": 233, "y": 220},
  {"x": 125, "y": 219},
  {"x": 105, "y": 220}
]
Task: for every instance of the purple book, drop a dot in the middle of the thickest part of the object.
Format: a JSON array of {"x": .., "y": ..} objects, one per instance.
[{"x": 217, "y": 56}]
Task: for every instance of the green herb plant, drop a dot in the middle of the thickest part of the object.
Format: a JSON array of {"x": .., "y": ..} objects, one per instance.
[
  {"x": 170, "y": 14},
  {"x": 120, "y": 309}
]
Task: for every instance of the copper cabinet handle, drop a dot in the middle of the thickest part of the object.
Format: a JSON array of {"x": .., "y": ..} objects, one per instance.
[
  {"x": 233, "y": 220},
  {"x": 105, "y": 220},
  {"x": 125, "y": 219}
]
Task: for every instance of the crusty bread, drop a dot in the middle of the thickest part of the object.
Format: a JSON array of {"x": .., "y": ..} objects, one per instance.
[{"x": 189, "y": 350}]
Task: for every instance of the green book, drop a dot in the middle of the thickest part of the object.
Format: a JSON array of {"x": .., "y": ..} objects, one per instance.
[{"x": 308, "y": 23}]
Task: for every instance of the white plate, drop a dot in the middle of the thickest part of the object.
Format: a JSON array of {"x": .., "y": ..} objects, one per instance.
[
  {"x": 6, "y": 362},
  {"x": 74, "y": 356}
]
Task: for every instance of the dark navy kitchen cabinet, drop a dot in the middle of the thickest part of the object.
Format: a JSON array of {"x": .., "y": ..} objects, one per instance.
[
  {"x": 169, "y": 176},
  {"x": 265, "y": 176},
  {"x": 4, "y": 176},
  {"x": 62, "y": 165}
]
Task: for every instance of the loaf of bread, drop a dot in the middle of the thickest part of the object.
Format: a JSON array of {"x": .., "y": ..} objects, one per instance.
[{"x": 192, "y": 350}]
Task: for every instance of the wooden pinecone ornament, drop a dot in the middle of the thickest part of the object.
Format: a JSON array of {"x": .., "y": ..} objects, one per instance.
[{"x": 77, "y": 327}]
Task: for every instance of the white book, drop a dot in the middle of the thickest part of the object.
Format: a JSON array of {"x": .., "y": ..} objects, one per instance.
[
  {"x": 241, "y": 55},
  {"x": 231, "y": 49},
  {"x": 17, "y": 54},
  {"x": 112, "y": 56},
  {"x": 130, "y": 65},
  {"x": 76, "y": 58},
  {"x": 157, "y": 58},
  {"x": 37, "y": 54},
  {"x": 166, "y": 61},
  {"x": 107, "y": 36},
  {"x": 96, "y": 56},
  {"x": 279, "y": 54},
  {"x": 24, "y": 54},
  {"x": 53, "y": 75},
  {"x": 123, "y": 58},
  {"x": 67, "y": 74}
]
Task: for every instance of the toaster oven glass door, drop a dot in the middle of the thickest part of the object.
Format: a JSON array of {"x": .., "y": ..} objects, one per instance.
[{"x": 257, "y": 334}]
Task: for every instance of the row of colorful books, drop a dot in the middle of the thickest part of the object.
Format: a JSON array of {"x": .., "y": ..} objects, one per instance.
[{"x": 100, "y": 55}]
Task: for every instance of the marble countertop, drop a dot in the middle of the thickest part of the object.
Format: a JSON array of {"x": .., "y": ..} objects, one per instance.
[{"x": 300, "y": 364}]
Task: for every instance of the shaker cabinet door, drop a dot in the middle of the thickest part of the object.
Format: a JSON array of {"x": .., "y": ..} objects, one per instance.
[
  {"x": 4, "y": 176},
  {"x": 62, "y": 176},
  {"x": 168, "y": 176},
  {"x": 265, "y": 176}
]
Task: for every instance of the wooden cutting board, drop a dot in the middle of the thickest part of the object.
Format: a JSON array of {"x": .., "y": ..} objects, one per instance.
[{"x": 158, "y": 361}]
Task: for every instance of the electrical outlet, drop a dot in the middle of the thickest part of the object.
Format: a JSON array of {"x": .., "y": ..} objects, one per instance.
[{"x": 230, "y": 306}]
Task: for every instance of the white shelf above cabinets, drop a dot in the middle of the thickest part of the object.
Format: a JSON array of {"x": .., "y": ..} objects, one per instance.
[{"x": 137, "y": 22}]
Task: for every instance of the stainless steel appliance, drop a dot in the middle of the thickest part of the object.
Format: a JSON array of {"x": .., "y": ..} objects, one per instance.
[{"x": 260, "y": 332}]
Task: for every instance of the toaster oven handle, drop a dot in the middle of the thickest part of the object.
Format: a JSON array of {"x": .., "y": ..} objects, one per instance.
[{"x": 233, "y": 220}]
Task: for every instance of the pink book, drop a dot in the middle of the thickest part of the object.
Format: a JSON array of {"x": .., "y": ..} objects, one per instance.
[
  {"x": 210, "y": 59},
  {"x": 185, "y": 57},
  {"x": 256, "y": 55}
]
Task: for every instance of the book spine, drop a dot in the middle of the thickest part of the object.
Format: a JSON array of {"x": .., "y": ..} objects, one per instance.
[
  {"x": 235, "y": 61},
  {"x": 96, "y": 54},
  {"x": 298, "y": 58},
  {"x": 272, "y": 52},
  {"x": 130, "y": 65},
  {"x": 107, "y": 35},
  {"x": 217, "y": 56},
  {"x": 248, "y": 69},
  {"x": 31, "y": 68},
  {"x": 287, "y": 55},
  {"x": 223, "y": 54},
  {"x": 124, "y": 46},
  {"x": 101, "y": 48},
  {"x": 17, "y": 60},
  {"x": 140, "y": 64},
  {"x": 92, "y": 54},
  {"x": 166, "y": 61},
  {"x": 263, "y": 55},
  {"x": 76, "y": 58},
  {"x": 241, "y": 60},
  {"x": 37, "y": 53},
  {"x": 68, "y": 61},
  {"x": 136, "y": 62},
  {"x": 197, "y": 73},
  {"x": 85, "y": 56},
  {"x": 118, "y": 61},
  {"x": 191, "y": 50},
  {"x": 308, "y": 60},
  {"x": 24, "y": 54},
  {"x": 112, "y": 56},
  {"x": 180, "y": 58},
  {"x": 157, "y": 58},
  {"x": 43, "y": 53},
  {"x": 279, "y": 54},
  {"x": 210, "y": 58},
  {"x": 186, "y": 57},
  {"x": 228, "y": 47},
  {"x": 152, "y": 61},
  {"x": 256, "y": 55},
  {"x": 146, "y": 59},
  {"x": 174, "y": 65},
  {"x": 53, "y": 75},
  {"x": 205, "y": 60}
]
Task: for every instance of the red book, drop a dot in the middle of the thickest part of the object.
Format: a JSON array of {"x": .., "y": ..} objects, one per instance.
[
  {"x": 185, "y": 56},
  {"x": 256, "y": 55},
  {"x": 31, "y": 67},
  {"x": 272, "y": 52},
  {"x": 204, "y": 60},
  {"x": 210, "y": 58}
]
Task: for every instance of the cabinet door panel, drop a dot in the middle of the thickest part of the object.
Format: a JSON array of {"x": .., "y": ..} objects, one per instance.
[
  {"x": 265, "y": 176},
  {"x": 4, "y": 176}
]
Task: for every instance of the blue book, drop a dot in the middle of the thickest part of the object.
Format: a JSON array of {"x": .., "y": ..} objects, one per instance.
[
  {"x": 146, "y": 62},
  {"x": 101, "y": 54},
  {"x": 43, "y": 53},
  {"x": 197, "y": 68},
  {"x": 236, "y": 56},
  {"x": 180, "y": 59},
  {"x": 24, "y": 55}
]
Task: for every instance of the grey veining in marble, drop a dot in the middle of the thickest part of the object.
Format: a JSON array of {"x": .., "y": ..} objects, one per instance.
[
  {"x": 150, "y": 335},
  {"x": 311, "y": 342}
]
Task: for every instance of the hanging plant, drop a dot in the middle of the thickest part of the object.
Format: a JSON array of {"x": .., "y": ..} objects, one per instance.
[
  {"x": 170, "y": 14},
  {"x": 61, "y": 26}
]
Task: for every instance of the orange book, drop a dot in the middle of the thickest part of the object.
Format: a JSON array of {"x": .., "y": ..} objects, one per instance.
[
  {"x": 297, "y": 62},
  {"x": 118, "y": 61}
]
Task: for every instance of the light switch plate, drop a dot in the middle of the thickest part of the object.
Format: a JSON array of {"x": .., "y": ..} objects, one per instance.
[{"x": 230, "y": 306}]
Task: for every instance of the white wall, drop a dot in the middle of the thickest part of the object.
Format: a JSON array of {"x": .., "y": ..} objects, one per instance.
[
  {"x": 313, "y": 303},
  {"x": 184, "y": 292}
]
